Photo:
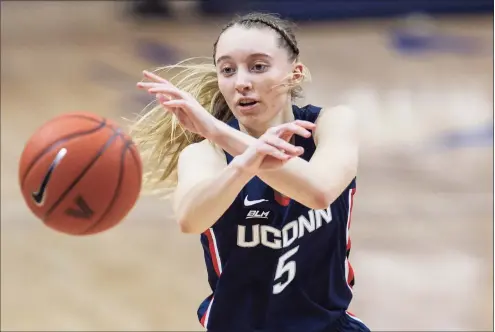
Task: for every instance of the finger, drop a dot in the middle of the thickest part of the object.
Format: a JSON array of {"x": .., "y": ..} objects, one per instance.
[
  {"x": 174, "y": 103},
  {"x": 288, "y": 128},
  {"x": 283, "y": 145},
  {"x": 299, "y": 130},
  {"x": 305, "y": 124},
  {"x": 267, "y": 149},
  {"x": 169, "y": 93},
  {"x": 154, "y": 77},
  {"x": 168, "y": 90},
  {"x": 148, "y": 85},
  {"x": 161, "y": 88}
]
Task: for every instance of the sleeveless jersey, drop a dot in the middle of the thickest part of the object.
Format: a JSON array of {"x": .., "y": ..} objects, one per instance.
[{"x": 275, "y": 265}]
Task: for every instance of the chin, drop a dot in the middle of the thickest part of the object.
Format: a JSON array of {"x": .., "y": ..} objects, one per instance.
[
  {"x": 252, "y": 117},
  {"x": 254, "y": 123}
]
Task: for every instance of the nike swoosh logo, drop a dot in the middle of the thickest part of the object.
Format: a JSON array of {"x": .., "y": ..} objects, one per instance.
[
  {"x": 82, "y": 211},
  {"x": 247, "y": 202},
  {"x": 39, "y": 195}
]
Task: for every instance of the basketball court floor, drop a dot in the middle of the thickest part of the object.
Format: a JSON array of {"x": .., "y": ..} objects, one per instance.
[{"x": 422, "y": 224}]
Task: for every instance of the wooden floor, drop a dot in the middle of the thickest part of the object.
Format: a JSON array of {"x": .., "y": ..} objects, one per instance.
[{"x": 422, "y": 228}]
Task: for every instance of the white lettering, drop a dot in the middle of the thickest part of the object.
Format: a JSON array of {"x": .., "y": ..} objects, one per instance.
[
  {"x": 274, "y": 238},
  {"x": 287, "y": 235},
  {"x": 257, "y": 214},
  {"x": 285, "y": 266},
  {"x": 325, "y": 214},
  {"x": 304, "y": 223},
  {"x": 286, "y": 240},
  {"x": 241, "y": 236},
  {"x": 277, "y": 243}
]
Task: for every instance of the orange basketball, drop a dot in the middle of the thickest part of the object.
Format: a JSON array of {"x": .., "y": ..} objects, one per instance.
[{"x": 80, "y": 174}]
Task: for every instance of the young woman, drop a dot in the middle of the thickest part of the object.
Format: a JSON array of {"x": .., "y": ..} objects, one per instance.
[{"x": 267, "y": 184}]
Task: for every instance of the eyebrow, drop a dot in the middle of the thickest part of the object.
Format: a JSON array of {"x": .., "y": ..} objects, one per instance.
[{"x": 254, "y": 55}]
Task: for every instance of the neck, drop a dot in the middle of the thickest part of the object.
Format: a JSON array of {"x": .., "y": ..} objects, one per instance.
[{"x": 284, "y": 116}]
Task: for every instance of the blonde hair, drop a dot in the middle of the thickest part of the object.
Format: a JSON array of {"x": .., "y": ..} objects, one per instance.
[{"x": 158, "y": 134}]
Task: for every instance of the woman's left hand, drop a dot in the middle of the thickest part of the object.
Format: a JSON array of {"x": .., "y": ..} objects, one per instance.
[{"x": 191, "y": 115}]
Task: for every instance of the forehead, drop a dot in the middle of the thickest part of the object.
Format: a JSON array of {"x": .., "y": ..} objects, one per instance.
[{"x": 239, "y": 41}]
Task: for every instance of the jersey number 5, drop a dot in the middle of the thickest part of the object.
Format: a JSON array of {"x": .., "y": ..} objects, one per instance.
[{"x": 285, "y": 266}]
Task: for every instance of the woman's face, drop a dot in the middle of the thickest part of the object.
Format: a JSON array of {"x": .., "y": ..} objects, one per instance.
[{"x": 252, "y": 69}]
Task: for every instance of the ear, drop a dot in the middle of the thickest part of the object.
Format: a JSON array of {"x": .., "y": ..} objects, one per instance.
[{"x": 297, "y": 72}]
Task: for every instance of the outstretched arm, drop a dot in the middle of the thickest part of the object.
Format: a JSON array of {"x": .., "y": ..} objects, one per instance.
[{"x": 316, "y": 183}]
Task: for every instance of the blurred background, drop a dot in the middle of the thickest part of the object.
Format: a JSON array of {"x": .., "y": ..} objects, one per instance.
[{"x": 420, "y": 73}]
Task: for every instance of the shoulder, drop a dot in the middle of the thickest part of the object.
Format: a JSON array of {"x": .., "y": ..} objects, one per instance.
[
  {"x": 336, "y": 112},
  {"x": 204, "y": 150},
  {"x": 314, "y": 113},
  {"x": 335, "y": 120}
]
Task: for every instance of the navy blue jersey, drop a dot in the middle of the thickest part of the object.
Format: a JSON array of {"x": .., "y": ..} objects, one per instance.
[{"x": 276, "y": 265}]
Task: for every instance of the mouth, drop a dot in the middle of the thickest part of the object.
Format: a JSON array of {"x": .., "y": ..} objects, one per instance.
[{"x": 247, "y": 103}]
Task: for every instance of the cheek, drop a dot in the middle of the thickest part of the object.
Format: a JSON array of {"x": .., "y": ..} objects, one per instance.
[
  {"x": 275, "y": 92},
  {"x": 275, "y": 89},
  {"x": 225, "y": 88},
  {"x": 273, "y": 82}
]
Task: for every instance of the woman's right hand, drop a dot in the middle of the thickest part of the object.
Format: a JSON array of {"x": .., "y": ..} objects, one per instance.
[
  {"x": 190, "y": 114},
  {"x": 272, "y": 150}
]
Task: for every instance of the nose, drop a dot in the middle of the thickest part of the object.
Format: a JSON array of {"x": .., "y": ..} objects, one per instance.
[{"x": 243, "y": 82}]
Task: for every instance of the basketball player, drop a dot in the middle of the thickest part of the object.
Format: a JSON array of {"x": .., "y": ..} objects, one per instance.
[{"x": 268, "y": 185}]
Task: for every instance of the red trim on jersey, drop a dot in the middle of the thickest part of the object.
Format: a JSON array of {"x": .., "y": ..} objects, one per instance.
[
  {"x": 282, "y": 199},
  {"x": 202, "y": 321},
  {"x": 213, "y": 251},
  {"x": 350, "y": 274},
  {"x": 217, "y": 266},
  {"x": 353, "y": 316},
  {"x": 206, "y": 314}
]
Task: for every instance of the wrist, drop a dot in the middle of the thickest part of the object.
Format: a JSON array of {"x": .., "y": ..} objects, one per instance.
[
  {"x": 241, "y": 169},
  {"x": 214, "y": 131}
]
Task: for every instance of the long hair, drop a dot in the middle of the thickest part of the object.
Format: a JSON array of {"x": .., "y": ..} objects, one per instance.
[{"x": 158, "y": 134}]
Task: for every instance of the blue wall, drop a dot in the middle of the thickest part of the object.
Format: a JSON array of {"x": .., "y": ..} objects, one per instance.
[{"x": 340, "y": 9}]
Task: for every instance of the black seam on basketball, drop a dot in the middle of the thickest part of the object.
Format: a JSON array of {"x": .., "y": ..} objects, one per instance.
[
  {"x": 78, "y": 178},
  {"x": 57, "y": 143},
  {"x": 117, "y": 191}
]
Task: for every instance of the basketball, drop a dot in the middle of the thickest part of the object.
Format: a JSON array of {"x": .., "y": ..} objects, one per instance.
[{"x": 80, "y": 174}]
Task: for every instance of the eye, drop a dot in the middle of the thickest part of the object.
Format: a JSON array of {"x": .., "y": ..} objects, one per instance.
[
  {"x": 227, "y": 71},
  {"x": 260, "y": 67}
]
